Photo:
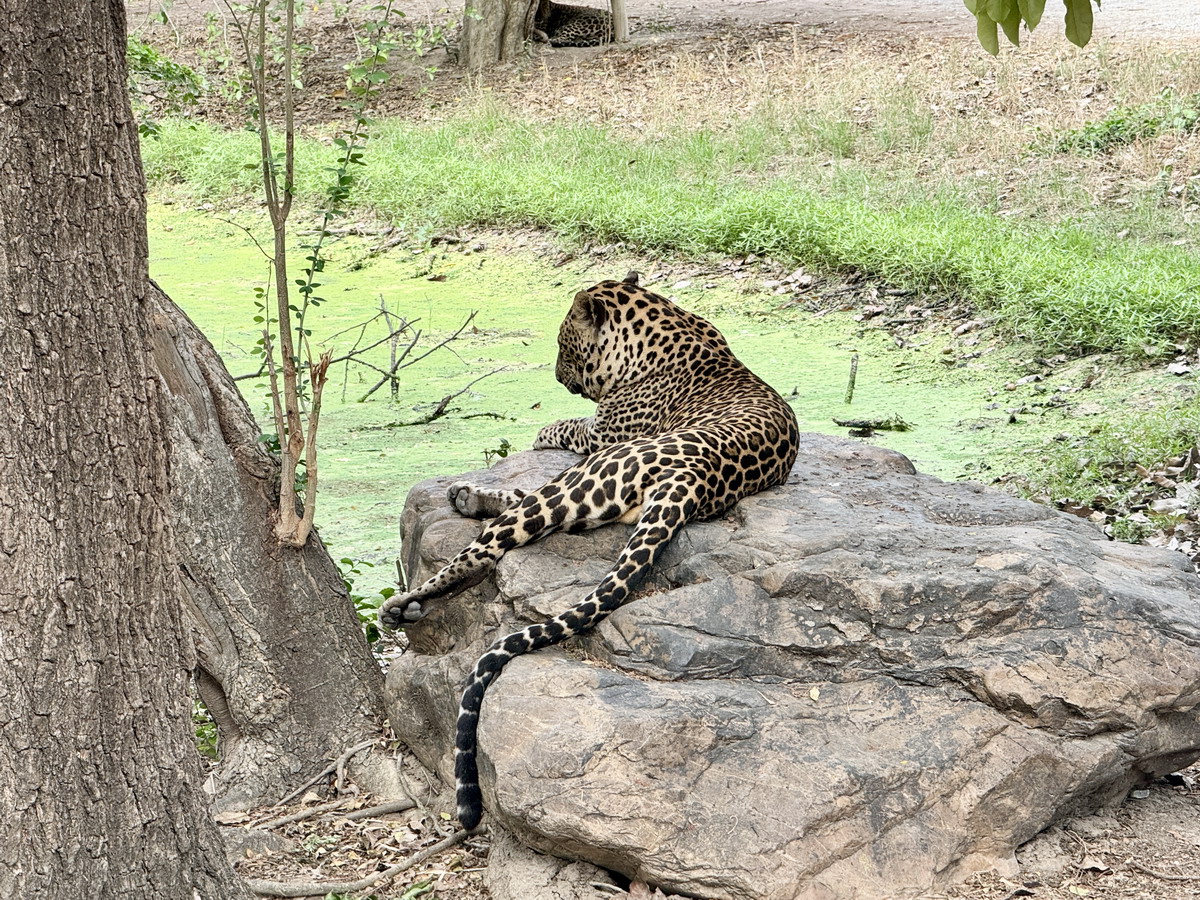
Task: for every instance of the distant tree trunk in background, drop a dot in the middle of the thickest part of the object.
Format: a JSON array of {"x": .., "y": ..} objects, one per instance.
[
  {"x": 99, "y": 786},
  {"x": 620, "y": 18},
  {"x": 495, "y": 31},
  {"x": 283, "y": 665}
]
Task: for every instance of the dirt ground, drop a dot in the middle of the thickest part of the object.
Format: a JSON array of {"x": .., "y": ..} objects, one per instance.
[
  {"x": 1166, "y": 19},
  {"x": 1145, "y": 849}
]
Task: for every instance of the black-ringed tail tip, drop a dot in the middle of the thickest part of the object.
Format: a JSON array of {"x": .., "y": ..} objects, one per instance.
[{"x": 470, "y": 806}]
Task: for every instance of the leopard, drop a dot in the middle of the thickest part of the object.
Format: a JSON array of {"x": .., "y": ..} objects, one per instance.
[
  {"x": 564, "y": 25},
  {"x": 682, "y": 431}
]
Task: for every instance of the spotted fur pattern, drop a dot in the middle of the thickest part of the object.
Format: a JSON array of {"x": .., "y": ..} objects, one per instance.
[
  {"x": 682, "y": 431},
  {"x": 564, "y": 25}
]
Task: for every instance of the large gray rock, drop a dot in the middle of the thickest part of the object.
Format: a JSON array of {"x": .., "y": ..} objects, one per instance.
[
  {"x": 515, "y": 872},
  {"x": 864, "y": 683}
]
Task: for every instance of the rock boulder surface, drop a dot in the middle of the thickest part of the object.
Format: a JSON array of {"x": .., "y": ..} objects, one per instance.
[{"x": 865, "y": 683}]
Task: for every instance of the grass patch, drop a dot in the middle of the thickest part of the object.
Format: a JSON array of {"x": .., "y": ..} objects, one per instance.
[
  {"x": 1065, "y": 286},
  {"x": 1102, "y": 465},
  {"x": 153, "y": 76},
  {"x": 1126, "y": 124}
]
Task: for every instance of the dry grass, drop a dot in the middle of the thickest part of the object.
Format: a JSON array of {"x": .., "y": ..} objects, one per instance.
[
  {"x": 912, "y": 115},
  {"x": 922, "y": 115}
]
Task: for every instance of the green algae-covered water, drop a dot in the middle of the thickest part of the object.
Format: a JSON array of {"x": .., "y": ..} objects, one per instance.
[{"x": 369, "y": 461}]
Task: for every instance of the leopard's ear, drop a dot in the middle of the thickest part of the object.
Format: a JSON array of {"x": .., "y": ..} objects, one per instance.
[
  {"x": 589, "y": 309},
  {"x": 631, "y": 278}
]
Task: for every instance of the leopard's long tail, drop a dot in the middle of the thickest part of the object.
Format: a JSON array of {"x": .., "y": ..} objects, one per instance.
[{"x": 667, "y": 507}]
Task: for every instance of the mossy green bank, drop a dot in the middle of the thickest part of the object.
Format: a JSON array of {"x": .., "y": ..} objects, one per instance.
[
  {"x": 1069, "y": 285},
  {"x": 370, "y": 457}
]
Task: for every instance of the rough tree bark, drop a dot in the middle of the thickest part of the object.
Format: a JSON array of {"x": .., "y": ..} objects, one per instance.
[
  {"x": 283, "y": 665},
  {"x": 495, "y": 31},
  {"x": 99, "y": 785}
]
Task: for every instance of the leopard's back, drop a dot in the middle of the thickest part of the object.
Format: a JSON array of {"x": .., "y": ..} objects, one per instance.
[{"x": 567, "y": 25}]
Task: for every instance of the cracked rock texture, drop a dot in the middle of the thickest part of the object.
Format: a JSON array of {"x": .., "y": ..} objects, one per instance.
[{"x": 865, "y": 683}]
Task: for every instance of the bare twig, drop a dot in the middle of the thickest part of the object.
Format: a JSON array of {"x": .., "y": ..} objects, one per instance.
[
  {"x": 383, "y": 809},
  {"x": 317, "y": 375},
  {"x": 328, "y": 770},
  {"x": 1161, "y": 875},
  {"x": 401, "y": 364},
  {"x": 259, "y": 374},
  {"x": 368, "y": 365},
  {"x": 360, "y": 351},
  {"x": 377, "y": 315},
  {"x": 443, "y": 404},
  {"x": 313, "y": 889},
  {"x": 276, "y": 408},
  {"x": 393, "y": 346},
  {"x": 306, "y": 813},
  {"x": 853, "y": 377},
  {"x": 461, "y": 328},
  {"x": 249, "y": 234}
]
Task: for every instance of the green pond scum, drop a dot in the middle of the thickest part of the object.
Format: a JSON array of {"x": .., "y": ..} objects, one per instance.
[{"x": 370, "y": 454}]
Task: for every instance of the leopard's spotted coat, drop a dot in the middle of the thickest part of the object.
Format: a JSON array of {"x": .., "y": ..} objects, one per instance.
[
  {"x": 565, "y": 25},
  {"x": 682, "y": 431}
]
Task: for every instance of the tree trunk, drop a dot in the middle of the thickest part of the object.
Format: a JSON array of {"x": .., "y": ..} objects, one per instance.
[
  {"x": 99, "y": 785},
  {"x": 283, "y": 665},
  {"x": 494, "y": 31},
  {"x": 620, "y": 18}
]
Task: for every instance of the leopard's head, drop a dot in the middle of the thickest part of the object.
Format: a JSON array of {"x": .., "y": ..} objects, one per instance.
[
  {"x": 619, "y": 333},
  {"x": 579, "y": 354}
]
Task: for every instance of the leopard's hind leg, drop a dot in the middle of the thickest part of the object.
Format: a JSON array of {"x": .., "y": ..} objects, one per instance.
[
  {"x": 604, "y": 488},
  {"x": 668, "y": 506}
]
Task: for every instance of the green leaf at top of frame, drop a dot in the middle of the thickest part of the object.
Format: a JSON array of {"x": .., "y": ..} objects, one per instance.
[
  {"x": 997, "y": 10},
  {"x": 1079, "y": 21},
  {"x": 1031, "y": 12},
  {"x": 1011, "y": 23},
  {"x": 985, "y": 30}
]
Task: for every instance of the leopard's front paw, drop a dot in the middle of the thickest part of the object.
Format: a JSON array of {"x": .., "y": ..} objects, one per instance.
[
  {"x": 469, "y": 500},
  {"x": 398, "y": 611},
  {"x": 481, "y": 503},
  {"x": 546, "y": 439}
]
